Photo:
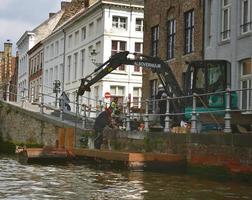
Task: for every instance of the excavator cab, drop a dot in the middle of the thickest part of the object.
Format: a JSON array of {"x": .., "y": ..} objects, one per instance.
[{"x": 208, "y": 76}]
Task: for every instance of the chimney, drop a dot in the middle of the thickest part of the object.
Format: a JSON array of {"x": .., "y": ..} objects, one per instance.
[
  {"x": 64, "y": 4},
  {"x": 51, "y": 14},
  {"x": 88, "y": 3}
]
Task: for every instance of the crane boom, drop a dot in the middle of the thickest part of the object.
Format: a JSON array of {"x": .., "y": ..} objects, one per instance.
[{"x": 157, "y": 65}]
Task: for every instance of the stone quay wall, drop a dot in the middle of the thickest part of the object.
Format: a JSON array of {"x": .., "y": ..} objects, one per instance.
[
  {"x": 231, "y": 152},
  {"x": 22, "y": 126}
]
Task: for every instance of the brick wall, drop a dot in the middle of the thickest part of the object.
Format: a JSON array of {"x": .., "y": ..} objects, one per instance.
[{"x": 158, "y": 12}]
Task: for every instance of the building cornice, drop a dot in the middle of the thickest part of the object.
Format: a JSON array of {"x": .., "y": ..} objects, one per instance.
[
  {"x": 24, "y": 36},
  {"x": 86, "y": 11}
]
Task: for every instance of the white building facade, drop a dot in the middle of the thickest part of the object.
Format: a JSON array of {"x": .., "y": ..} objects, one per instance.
[
  {"x": 228, "y": 36},
  {"x": 104, "y": 28},
  {"x": 25, "y": 43}
]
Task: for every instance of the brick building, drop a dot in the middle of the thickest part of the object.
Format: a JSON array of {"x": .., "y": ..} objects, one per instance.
[
  {"x": 7, "y": 67},
  {"x": 173, "y": 31},
  {"x": 36, "y": 57}
]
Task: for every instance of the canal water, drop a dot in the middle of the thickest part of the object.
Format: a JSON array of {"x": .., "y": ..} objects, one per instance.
[{"x": 87, "y": 182}]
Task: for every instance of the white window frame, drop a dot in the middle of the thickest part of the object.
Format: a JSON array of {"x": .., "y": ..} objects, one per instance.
[
  {"x": 225, "y": 31},
  {"x": 246, "y": 24},
  {"x": 75, "y": 66},
  {"x": 138, "y": 97},
  {"x": 117, "y": 50},
  {"x": 248, "y": 80},
  {"x": 118, "y": 23},
  {"x": 83, "y": 33},
  {"x": 76, "y": 38},
  {"x": 82, "y": 65},
  {"x": 69, "y": 59},
  {"x": 189, "y": 31},
  {"x": 171, "y": 38},
  {"x": 139, "y": 27}
]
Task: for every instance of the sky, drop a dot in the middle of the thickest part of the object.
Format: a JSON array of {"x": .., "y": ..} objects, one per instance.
[{"x": 18, "y": 16}]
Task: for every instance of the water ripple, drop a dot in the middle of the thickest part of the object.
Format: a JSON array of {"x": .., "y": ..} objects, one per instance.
[{"x": 81, "y": 182}]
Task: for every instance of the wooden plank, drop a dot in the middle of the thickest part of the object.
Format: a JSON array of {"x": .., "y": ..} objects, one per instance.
[
  {"x": 69, "y": 142},
  {"x": 61, "y": 138}
]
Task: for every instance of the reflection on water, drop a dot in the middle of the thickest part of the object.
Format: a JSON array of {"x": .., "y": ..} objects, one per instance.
[{"x": 82, "y": 182}]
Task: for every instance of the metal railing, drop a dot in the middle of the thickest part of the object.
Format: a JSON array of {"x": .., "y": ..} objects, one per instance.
[{"x": 86, "y": 109}]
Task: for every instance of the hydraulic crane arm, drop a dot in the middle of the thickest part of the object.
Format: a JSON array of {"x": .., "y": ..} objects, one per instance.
[{"x": 157, "y": 65}]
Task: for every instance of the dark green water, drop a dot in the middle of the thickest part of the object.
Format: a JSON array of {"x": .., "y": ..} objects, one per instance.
[{"x": 70, "y": 181}]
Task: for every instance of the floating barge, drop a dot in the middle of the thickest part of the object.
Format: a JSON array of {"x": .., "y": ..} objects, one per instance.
[{"x": 128, "y": 160}]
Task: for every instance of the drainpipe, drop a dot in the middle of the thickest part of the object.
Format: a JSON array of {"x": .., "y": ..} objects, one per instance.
[{"x": 64, "y": 56}]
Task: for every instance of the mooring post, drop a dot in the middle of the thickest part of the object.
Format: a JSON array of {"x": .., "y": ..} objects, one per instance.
[
  {"x": 227, "y": 117},
  {"x": 167, "y": 116},
  {"x": 146, "y": 118},
  {"x": 194, "y": 115}
]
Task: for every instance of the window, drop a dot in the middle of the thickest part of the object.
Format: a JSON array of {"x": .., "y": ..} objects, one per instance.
[
  {"x": 61, "y": 45},
  {"x": 139, "y": 24},
  {"x": 171, "y": 30},
  {"x": 119, "y": 22},
  {"x": 75, "y": 65},
  {"x": 82, "y": 62},
  {"x": 117, "y": 91},
  {"x": 246, "y": 23},
  {"x": 70, "y": 38},
  {"x": 83, "y": 33},
  {"x": 68, "y": 68},
  {"x": 246, "y": 83},
  {"x": 51, "y": 77},
  {"x": 154, "y": 40},
  {"x": 98, "y": 25},
  {"x": 225, "y": 15},
  {"x": 138, "y": 50},
  {"x": 137, "y": 97},
  {"x": 41, "y": 60},
  {"x": 189, "y": 31},
  {"x": 91, "y": 29},
  {"x": 46, "y": 77},
  {"x": 61, "y": 74},
  {"x": 153, "y": 92},
  {"x": 76, "y": 38},
  {"x": 56, "y": 72},
  {"x": 56, "y": 48},
  {"x": 118, "y": 46},
  {"x": 52, "y": 50}
]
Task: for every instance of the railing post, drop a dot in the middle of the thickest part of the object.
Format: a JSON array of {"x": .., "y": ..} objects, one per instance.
[
  {"x": 22, "y": 98},
  {"x": 77, "y": 105},
  {"x": 32, "y": 94},
  {"x": 42, "y": 103},
  {"x": 194, "y": 115},
  {"x": 40, "y": 92},
  {"x": 8, "y": 92},
  {"x": 84, "y": 116},
  {"x": 146, "y": 118},
  {"x": 61, "y": 113},
  {"x": 167, "y": 117},
  {"x": 227, "y": 117},
  {"x": 128, "y": 118}
]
